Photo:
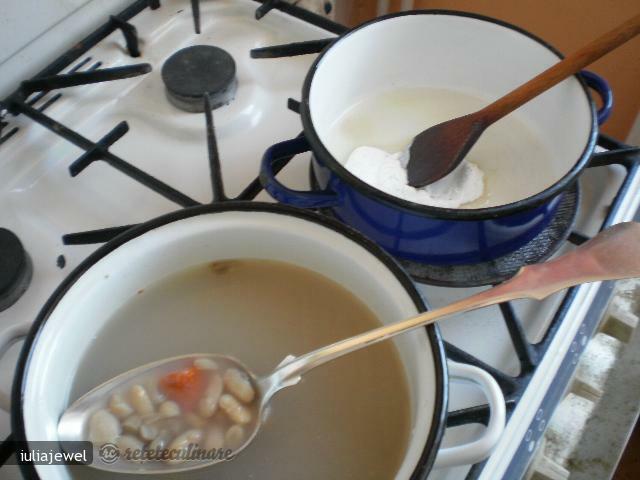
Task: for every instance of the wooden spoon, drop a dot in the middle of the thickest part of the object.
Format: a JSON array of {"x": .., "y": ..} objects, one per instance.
[{"x": 438, "y": 150}]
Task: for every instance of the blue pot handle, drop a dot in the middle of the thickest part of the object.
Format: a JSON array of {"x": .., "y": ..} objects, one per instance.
[
  {"x": 602, "y": 88},
  {"x": 284, "y": 194}
]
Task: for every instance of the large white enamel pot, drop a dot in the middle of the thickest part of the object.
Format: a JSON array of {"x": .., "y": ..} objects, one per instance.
[{"x": 86, "y": 301}]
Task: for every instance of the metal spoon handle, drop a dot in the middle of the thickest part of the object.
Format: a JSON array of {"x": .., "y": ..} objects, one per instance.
[{"x": 610, "y": 255}]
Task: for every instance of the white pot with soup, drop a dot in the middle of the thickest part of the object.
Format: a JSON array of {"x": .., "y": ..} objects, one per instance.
[{"x": 258, "y": 282}]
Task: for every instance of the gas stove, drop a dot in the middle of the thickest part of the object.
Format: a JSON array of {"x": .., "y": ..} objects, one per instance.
[{"x": 110, "y": 135}]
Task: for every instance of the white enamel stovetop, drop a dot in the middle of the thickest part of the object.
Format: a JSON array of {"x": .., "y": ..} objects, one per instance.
[{"x": 41, "y": 201}]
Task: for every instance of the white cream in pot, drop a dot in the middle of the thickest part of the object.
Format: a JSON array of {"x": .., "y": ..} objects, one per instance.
[
  {"x": 387, "y": 172},
  {"x": 509, "y": 162}
]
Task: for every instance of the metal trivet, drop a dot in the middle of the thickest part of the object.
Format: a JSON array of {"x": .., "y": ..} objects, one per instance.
[{"x": 545, "y": 244}]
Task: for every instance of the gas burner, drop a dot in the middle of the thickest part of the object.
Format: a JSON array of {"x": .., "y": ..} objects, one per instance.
[
  {"x": 495, "y": 271},
  {"x": 537, "y": 250},
  {"x": 15, "y": 269},
  {"x": 193, "y": 71}
]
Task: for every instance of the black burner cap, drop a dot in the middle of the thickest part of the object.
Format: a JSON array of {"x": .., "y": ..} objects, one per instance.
[
  {"x": 193, "y": 71},
  {"x": 15, "y": 269}
]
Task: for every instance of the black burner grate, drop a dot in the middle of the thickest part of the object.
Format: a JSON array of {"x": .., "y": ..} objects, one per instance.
[{"x": 545, "y": 244}]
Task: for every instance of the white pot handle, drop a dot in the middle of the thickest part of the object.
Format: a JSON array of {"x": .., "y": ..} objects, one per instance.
[
  {"x": 473, "y": 452},
  {"x": 7, "y": 338}
]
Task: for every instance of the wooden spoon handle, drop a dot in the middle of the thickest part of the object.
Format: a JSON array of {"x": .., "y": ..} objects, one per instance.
[{"x": 558, "y": 72}]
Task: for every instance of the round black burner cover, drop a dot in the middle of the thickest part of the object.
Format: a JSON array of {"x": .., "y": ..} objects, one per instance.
[
  {"x": 15, "y": 269},
  {"x": 193, "y": 71}
]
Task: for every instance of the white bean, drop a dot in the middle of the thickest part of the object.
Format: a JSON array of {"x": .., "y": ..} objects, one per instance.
[
  {"x": 214, "y": 438},
  {"x": 194, "y": 420},
  {"x": 205, "y": 364},
  {"x": 140, "y": 400},
  {"x": 132, "y": 424},
  {"x": 234, "y": 438},
  {"x": 169, "y": 409},
  {"x": 104, "y": 427},
  {"x": 182, "y": 442},
  {"x": 215, "y": 387},
  {"x": 239, "y": 384},
  {"x": 153, "y": 418},
  {"x": 208, "y": 404},
  {"x": 234, "y": 410},
  {"x": 148, "y": 432},
  {"x": 174, "y": 425},
  {"x": 127, "y": 442},
  {"x": 161, "y": 441},
  {"x": 156, "y": 396},
  {"x": 119, "y": 407}
]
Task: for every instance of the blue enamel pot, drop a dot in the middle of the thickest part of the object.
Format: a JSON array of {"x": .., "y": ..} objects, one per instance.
[{"x": 452, "y": 50}]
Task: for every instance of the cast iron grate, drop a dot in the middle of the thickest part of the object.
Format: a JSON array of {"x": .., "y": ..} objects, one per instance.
[
  {"x": 17, "y": 103},
  {"x": 540, "y": 248}
]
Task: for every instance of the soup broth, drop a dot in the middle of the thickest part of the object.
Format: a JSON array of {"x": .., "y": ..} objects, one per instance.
[{"x": 349, "y": 419}]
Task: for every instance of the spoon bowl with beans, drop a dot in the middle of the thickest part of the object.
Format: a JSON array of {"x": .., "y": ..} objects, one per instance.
[
  {"x": 196, "y": 410},
  {"x": 175, "y": 414}
]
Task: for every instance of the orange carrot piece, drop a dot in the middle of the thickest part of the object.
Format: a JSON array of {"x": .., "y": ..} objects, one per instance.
[{"x": 184, "y": 387}]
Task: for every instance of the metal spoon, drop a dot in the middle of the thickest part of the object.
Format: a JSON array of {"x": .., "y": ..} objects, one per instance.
[
  {"x": 612, "y": 254},
  {"x": 438, "y": 150}
]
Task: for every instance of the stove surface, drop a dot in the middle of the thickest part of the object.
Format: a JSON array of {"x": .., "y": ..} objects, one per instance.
[{"x": 42, "y": 202}]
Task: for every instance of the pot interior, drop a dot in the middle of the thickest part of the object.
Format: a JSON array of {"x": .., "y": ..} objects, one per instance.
[
  {"x": 96, "y": 296},
  {"x": 475, "y": 57}
]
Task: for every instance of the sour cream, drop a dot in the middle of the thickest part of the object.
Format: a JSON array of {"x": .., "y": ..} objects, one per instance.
[{"x": 386, "y": 171}]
